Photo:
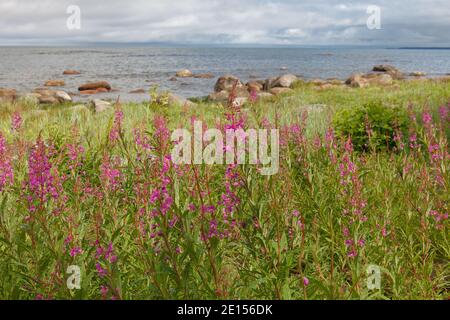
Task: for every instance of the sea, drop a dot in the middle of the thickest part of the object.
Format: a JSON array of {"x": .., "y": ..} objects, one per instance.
[{"x": 143, "y": 67}]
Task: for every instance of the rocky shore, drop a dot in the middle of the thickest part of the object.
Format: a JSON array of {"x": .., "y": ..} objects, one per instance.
[{"x": 51, "y": 93}]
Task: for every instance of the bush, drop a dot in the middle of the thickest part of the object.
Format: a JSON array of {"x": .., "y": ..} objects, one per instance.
[{"x": 371, "y": 126}]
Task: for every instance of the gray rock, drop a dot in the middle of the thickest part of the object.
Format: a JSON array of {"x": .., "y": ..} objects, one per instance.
[
  {"x": 285, "y": 81},
  {"x": 101, "y": 105},
  {"x": 227, "y": 82},
  {"x": 7, "y": 95},
  {"x": 63, "y": 96},
  {"x": 184, "y": 73}
]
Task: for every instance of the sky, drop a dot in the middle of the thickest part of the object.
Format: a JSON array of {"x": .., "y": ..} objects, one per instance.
[{"x": 225, "y": 22}]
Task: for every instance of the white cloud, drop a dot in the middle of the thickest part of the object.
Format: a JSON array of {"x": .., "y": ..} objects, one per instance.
[{"x": 226, "y": 21}]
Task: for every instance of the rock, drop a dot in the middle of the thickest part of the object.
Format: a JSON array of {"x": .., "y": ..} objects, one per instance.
[
  {"x": 284, "y": 81},
  {"x": 101, "y": 105},
  {"x": 63, "y": 96},
  {"x": 138, "y": 91},
  {"x": 382, "y": 79},
  {"x": 360, "y": 81},
  {"x": 204, "y": 76},
  {"x": 173, "y": 79},
  {"x": 356, "y": 81},
  {"x": 55, "y": 83},
  {"x": 71, "y": 72},
  {"x": 48, "y": 100},
  {"x": 227, "y": 82},
  {"x": 269, "y": 83},
  {"x": 417, "y": 74},
  {"x": 284, "y": 68},
  {"x": 7, "y": 95},
  {"x": 221, "y": 96},
  {"x": 89, "y": 92},
  {"x": 254, "y": 86},
  {"x": 277, "y": 91},
  {"x": 384, "y": 68},
  {"x": 46, "y": 96},
  {"x": 95, "y": 86},
  {"x": 184, "y": 74},
  {"x": 391, "y": 70}
]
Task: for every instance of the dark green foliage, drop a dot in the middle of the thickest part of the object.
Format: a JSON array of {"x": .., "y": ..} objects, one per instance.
[{"x": 371, "y": 126}]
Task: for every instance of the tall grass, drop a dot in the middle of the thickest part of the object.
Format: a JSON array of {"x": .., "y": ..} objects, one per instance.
[{"x": 99, "y": 191}]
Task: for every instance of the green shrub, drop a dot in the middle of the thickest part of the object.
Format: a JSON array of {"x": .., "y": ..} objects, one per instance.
[{"x": 371, "y": 126}]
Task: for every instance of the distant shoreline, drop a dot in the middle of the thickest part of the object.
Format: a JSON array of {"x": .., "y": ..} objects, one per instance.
[{"x": 422, "y": 48}]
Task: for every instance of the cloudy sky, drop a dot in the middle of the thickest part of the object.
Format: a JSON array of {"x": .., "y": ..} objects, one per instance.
[{"x": 237, "y": 22}]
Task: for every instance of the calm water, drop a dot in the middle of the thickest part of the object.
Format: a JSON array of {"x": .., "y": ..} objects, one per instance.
[{"x": 133, "y": 68}]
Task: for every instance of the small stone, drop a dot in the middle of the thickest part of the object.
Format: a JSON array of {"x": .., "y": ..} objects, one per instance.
[
  {"x": 184, "y": 73},
  {"x": 71, "y": 72},
  {"x": 101, "y": 105},
  {"x": 55, "y": 83}
]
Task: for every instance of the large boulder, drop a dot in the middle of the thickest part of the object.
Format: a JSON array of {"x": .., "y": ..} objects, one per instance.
[
  {"x": 63, "y": 96},
  {"x": 45, "y": 96},
  {"x": 357, "y": 80},
  {"x": 254, "y": 86},
  {"x": 391, "y": 70},
  {"x": 184, "y": 73},
  {"x": 55, "y": 83},
  {"x": 101, "y": 105},
  {"x": 221, "y": 96},
  {"x": 381, "y": 79},
  {"x": 364, "y": 80},
  {"x": 226, "y": 83},
  {"x": 95, "y": 86},
  {"x": 285, "y": 81},
  {"x": 269, "y": 83},
  {"x": 7, "y": 95}
]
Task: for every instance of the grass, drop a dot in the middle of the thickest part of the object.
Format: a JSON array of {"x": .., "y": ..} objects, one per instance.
[{"x": 139, "y": 227}]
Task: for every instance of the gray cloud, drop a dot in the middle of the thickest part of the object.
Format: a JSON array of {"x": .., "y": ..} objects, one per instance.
[{"x": 282, "y": 22}]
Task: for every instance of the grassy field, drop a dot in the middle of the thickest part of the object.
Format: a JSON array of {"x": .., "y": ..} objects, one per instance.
[{"x": 98, "y": 191}]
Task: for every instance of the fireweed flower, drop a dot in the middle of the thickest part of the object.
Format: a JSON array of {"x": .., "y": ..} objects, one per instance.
[
  {"x": 42, "y": 182},
  {"x": 76, "y": 251},
  {"x": 104, "y": 291},
  {"x": 439, "y": 219},
  {"x": 355, "y": 204},
  {"x": 101, "y": 272},
  {"x": 253, "y": 96},
  {"x": 117, "y": 126},
  {"x": 110, "y": 173},
  {"x": 444, "y": 112},
  {"x": 305, "y": 281},
  {"x": 6, "y": 169},
  {"x": 16, "y": 121}
]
